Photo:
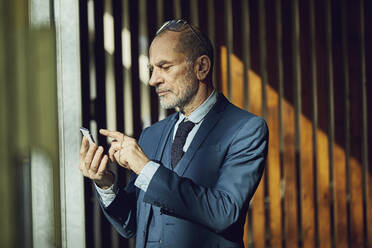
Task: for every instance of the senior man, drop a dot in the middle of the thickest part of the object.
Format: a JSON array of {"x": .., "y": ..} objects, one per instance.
[{"x": 193, "y": 173}]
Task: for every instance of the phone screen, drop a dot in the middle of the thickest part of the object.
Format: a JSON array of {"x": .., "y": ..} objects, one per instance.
[{"x": 87, "y": 134}]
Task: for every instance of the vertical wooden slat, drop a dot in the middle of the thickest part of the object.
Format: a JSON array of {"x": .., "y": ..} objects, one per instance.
[
  {"x": 143, "y": 63},
  {"x": 127, "y": 67},
  {"x": 296, "y": 75},
  {"x": 100, "y": 69},
  {"x": 84, "y": 62},
  {"x": 258, "y": 207},
  {"x": 211, "y": 34},
  {"x": 177, "y": 9},
  {"x": 289, "y": 139},
  {"x": 151, "y": 31},
  {"x": 314, "y": 113},
  {"x": 109, "y": 45},
  {"x": 273, "y": 168},
  {"x": 258, "y": 202},
  {"x": 136, "y": 90},
  {"x": 340, "y": 237},
  {"x": 101, "y": 227},
  {"x": 110, "y": 85},
  {"x": 347, "y": 111},
  {"x": 131, "y": 110},
  {"x": 245, "y": 46},
  {"x": 356, "y": 171},
  {"x": 237, "y": 80},
  {"x": 194, "y": 12},
  {"x": 329, "y": 79},
  {"x": 278, "y": 234},
  {"x": 364, "y": 126},
  {"x": 273, "y": 171},
  {"x": 122, "y": 57},
  {"x": 159, "y": 21},
  {"x": 306, "y": 129},
  {"x": 367, "y": 8},
  {"x": 263, "y": 52},
  {"x": 220, "y": 41},
  {"x": 118, "y": 64},
  {"x": 289, "y": 173},
  {"x": 256, "y": 213},
  {"x": 322, "y": 132},
  {"x": 246, "y": 68},
  {"x": 323, "y": 188},
  {"x": 169, "y": 11},
  {"x": 229, "y": 43},
  {"x": 159, "y": 12},
  {"x": 88, "y": 86}
]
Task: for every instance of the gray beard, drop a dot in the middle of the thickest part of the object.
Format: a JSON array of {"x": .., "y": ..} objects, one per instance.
[{"x": 180, "y": 102}]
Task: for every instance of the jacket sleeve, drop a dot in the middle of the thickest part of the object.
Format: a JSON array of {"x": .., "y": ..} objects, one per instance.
[
  {"x": 219, "y": 206},
  {"x": 122, "y": 212}
]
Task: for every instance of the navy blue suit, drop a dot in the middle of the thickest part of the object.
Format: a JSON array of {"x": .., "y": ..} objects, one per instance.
[{"x": 203, "y": 202}]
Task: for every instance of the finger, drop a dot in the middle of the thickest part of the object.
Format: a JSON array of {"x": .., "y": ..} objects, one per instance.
[
  {"x": 112, "y": 134},
  {"x": 115, "y": 146},
  {"x": 90, "y": 155},
  {"x": 103, "y": 165},
  {"x": 83, "y": 151},
  {"x": 111, "y": 154},
  {"x": 96, "y": 160},
  {"x": 121, "y": 158},
  {"x": 117, "y": 157},
  {"x": 84, "y": 146}
]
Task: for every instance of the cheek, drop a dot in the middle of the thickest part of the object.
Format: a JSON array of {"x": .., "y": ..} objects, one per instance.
[{"x": 174, "y": 82}]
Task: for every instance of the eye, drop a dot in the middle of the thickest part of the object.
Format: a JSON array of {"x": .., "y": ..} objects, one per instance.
[{"x": 166, "y": 68}]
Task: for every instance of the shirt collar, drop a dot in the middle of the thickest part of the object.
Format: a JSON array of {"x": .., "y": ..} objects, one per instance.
[{"x": 200, "y": 112}]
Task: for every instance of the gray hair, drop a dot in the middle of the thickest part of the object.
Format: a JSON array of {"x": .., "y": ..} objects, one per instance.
[{"x": 193, "y": 43}]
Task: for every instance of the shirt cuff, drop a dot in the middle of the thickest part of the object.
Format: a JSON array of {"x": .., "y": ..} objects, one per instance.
[
  {"x": 145, "y": 176},
  {"x": 107, "y": 196}
]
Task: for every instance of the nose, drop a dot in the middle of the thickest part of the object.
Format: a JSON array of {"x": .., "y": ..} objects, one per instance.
[{"x": 155, "y": 78}]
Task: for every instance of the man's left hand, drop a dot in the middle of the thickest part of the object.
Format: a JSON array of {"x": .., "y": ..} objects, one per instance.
[{"x": 126, "y": 151}]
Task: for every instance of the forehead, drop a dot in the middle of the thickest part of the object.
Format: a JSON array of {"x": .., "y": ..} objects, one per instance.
[{"x": 163, "y": 47}]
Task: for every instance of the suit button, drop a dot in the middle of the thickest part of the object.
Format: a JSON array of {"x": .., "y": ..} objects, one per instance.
[{"x": 160, "y": 241}]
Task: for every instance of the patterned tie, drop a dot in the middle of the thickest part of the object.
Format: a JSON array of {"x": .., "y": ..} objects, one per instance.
[{"x": 177, "y": 152}]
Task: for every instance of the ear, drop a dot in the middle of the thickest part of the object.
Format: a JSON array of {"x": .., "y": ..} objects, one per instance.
[{"x": 202, "y": 67}]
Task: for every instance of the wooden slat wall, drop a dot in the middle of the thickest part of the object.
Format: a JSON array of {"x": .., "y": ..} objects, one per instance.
[{"x": 302, "y": 65}]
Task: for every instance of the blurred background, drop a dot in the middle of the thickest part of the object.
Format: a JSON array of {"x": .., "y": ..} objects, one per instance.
[{"x": 305, "y": 66}]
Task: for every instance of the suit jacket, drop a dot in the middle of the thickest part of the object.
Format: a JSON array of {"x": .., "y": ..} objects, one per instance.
[{"x": 205, "y": 199}]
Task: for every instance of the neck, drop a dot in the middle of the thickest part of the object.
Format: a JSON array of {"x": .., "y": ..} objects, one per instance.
[{"x": 198, "y": 100}]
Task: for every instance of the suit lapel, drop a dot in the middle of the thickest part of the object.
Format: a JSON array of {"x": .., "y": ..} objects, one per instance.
[
  {"x": 164, "y": 137},
  {"x": 209, "y": 122}
]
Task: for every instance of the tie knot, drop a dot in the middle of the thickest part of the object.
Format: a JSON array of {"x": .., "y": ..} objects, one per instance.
[{"x": 185, "y": 127}]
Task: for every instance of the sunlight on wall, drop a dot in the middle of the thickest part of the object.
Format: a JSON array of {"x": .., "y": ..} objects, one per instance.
[
  {"x": 108, "y": 22},
  {"x": 281, "y": 183},
  {"x": 125, "y": 39}
]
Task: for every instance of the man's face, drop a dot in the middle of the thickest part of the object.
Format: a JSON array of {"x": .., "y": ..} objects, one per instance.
[{"x": 172, "y": 76}]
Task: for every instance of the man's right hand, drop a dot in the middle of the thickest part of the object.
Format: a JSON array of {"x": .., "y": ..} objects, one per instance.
[{"x": 93, "y": 165}]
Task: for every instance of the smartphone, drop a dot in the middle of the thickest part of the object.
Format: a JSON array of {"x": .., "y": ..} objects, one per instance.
[{"x": 87, "y": 134}]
